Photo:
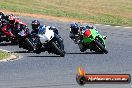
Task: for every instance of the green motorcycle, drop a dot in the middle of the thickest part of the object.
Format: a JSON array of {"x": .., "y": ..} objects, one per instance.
[{"x": 94, "y": 41}]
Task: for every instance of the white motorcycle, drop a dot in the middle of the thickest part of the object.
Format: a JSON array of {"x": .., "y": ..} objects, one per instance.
[{"x": 49, "y": 41}]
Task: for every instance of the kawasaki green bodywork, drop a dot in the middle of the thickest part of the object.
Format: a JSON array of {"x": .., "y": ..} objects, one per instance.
[{"x": 94, "y": 34}]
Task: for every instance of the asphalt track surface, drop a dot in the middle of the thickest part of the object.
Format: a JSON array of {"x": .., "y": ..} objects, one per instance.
[{"x": 51, "y": 71}]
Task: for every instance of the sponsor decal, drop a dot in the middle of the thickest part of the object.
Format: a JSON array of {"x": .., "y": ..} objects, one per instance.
[{"x": 84, "y": 78}]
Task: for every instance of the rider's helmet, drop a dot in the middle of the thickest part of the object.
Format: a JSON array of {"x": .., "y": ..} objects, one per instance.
[
  {"x": 74, "y": 28},
  {"x": 35, "y": 24},
  {"x": 12, "y": 19}
]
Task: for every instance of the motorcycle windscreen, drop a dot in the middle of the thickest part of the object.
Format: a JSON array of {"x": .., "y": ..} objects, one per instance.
[{"x": 44, "y": 38}]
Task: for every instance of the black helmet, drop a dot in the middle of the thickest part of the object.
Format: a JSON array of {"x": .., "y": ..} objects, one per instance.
[
  {"x": 35, "y": 24},
  {"x": 74, "y": 28}
]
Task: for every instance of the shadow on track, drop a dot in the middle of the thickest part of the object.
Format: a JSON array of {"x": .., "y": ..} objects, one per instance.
[
  {"x": 86, "y": 53},
  {"x": 33, "y": 55},
  {"x": 6, "y": 44},
  {"x": 21, "y": 52},
  {"x": 43, "y": 56},
  {"x": 53, "y": 85}
]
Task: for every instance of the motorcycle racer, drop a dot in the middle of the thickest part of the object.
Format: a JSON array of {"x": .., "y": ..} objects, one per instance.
[
  {"x": 74, "y": 32},
  {"x": 77, "y": 33},
  {"x": 39, "y": 29},
  {"x": 3, "y": 23},
  {"x": 13, "y": 26},
  {"x": 46, "y": 38}
]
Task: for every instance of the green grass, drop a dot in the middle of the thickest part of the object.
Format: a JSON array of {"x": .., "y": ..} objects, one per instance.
[
  {"x": 3, "y": 55},
  {"x": 114, "y": 12}
]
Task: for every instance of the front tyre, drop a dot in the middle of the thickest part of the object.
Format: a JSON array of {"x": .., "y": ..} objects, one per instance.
[
  {"x": 57, "y": 49},
  {"x": 29, "y": 44},
  {"x": 101, "y": 47}
]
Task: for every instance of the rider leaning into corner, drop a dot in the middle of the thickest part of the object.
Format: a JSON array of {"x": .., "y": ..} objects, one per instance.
[
  {"x": 77, "y": 33},
  {"x": 13, "y": 24},
  {"x": 37, "y": 28}
]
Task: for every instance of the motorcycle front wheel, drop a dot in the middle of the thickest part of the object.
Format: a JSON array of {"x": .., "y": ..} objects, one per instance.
[
  {"x": 29, "y": 44},
  {"x": 101, "y": 47},
  {"x": 57, "y": 49}
]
